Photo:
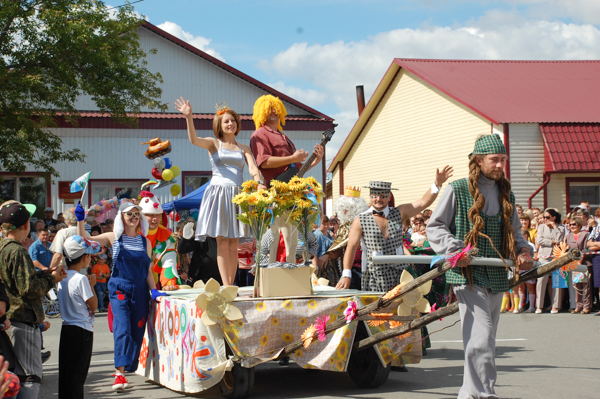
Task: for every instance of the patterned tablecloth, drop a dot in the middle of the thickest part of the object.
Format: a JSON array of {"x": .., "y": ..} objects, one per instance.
[{"x": 181, "y": 353}]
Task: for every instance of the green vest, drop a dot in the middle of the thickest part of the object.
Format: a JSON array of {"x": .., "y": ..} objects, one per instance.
[{"x": 492, "y": 277}]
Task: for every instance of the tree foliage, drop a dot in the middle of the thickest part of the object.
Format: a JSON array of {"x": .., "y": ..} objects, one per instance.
[{"x": 52, "y": 52}]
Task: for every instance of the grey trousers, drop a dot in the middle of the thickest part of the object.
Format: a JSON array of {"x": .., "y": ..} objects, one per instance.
[
  {"x": 479, "y": 314},
  {"x": 27, "y": 344}
]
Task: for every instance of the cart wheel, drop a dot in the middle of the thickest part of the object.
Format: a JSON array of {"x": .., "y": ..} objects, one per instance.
[
  {"x": 364, "y": 367},
  {"x": 237, "y": 383}
]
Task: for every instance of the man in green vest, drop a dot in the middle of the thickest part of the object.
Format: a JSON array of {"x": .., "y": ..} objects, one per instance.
[{"x": 480, "y": 210}]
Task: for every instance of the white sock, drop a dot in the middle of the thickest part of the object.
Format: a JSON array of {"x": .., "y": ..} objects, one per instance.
[
  {"x": 522, "y": 301},
  {"x": 531, "y": 301}
]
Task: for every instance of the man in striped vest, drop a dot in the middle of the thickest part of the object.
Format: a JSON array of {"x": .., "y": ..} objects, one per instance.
[{"x": 480, "y": 210}]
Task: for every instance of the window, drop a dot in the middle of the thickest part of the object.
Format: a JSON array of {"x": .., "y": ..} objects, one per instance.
[
  {"x": 194, "y": 180},
  {"x": 583, "y": 189},
  {"x": 29, "y": 189},
  {"x": 118, "y": 188}
]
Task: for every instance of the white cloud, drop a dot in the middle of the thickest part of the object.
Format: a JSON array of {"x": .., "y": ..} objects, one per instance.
[
  {"x": 312, "y": 98},
  {"x": 334, "y": 69},
  {"x": 199, "y": 42}
]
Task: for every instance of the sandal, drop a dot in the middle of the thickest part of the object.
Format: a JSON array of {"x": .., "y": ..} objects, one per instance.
[{"x": 585, "y": 311}]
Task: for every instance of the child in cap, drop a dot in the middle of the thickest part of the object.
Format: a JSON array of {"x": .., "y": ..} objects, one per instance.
[
  {"x": 77, "y": 305},
  {"x": 102, "y": 272}
]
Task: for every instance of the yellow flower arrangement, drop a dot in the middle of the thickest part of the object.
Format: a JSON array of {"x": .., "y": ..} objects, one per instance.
[{"x": 301, "y": 196}]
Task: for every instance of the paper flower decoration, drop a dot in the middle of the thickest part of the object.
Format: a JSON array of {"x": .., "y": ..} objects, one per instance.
[
  {"x": 413, "y": 299},
  {"x": 350, "y": 311},
  {"x": 563, "y": 249},
  {"x": 216, "y": 303},
  {"x": 320, "y": 325},
  {"x": 308, "y": 336},
  {"x": 380, "y": 318},
  {"x": 454, "y": 259}
]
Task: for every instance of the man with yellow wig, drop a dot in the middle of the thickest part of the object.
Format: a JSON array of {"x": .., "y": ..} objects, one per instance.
[{"x": 275, "y": 153}]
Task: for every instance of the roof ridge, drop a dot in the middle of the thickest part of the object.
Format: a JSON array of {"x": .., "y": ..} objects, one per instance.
[{"x": 231, "y": 69}]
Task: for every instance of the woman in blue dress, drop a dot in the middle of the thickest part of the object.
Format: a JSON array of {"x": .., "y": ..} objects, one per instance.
[{"x": 217, "y": 215}]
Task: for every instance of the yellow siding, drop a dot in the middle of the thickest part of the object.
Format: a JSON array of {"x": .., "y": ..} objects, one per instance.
[
  {"x": 557, "y": 194},
  {"x": 414, "y": 130},
  {"x": 335, "y": 183}
]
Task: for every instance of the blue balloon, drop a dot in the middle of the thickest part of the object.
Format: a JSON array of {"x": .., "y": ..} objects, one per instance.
[
  {"x": 194, "y": 214},
  {"x": 168, "y": 163}
]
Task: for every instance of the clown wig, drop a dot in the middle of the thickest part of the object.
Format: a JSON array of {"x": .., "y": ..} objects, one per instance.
[
  {"x": 262, "y": 109},
  {"x": 347, "y": 208}
]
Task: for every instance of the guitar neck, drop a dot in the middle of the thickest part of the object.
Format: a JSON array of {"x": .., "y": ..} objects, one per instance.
[
  {"x": 310, "y": 159},
  {"x": 306, "y": 165}
]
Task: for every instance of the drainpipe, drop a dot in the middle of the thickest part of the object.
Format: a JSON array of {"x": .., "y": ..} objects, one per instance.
[
  {"x": 360, "y": 98},
  {"x": 544, "y": 184}
]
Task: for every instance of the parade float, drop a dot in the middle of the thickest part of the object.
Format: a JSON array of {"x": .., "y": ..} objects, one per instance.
[{"x": 209, "y": 335}]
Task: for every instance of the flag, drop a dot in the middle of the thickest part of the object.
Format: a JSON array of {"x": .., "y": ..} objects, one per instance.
[{"x": 78, "y": 184}]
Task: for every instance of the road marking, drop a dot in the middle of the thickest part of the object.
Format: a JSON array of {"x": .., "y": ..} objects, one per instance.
[{"x": 460, "y": 340}]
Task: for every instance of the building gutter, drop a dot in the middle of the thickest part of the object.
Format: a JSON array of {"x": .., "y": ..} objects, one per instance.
[{"x": 547, "y": 177}]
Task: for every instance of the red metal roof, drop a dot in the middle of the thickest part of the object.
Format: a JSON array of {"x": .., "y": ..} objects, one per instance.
[
  {"x": 232, "y": 70},
  {"x": 517, "y": 91},
  {"x": 572, "y": 147}
]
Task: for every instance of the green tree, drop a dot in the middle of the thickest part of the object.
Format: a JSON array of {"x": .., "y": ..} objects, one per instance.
[{"x": 52, "y": 52}]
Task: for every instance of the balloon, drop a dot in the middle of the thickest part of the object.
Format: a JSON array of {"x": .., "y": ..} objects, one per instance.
[
  {"x": 168, "y": 163},
  {"x": 159, "y": 163},
  {"x": 176, "y": 171},
  {"x": 175, "y": 190},
  {"x": 167, "y": 174},
  {"x": 174, "y": 216},
  {"x": 157, "y": 174}
]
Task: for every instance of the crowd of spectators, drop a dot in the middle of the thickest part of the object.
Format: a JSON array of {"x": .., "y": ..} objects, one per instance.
[{"x": 41, "y": 253}]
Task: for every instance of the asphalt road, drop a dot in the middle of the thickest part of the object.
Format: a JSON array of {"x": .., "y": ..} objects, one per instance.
[{"x": 537, "y": 356}]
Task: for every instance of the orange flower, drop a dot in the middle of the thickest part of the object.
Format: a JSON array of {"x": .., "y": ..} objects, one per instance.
[
  {"x": 394, "y": 324},
  {"x": 308, "y": 336}
]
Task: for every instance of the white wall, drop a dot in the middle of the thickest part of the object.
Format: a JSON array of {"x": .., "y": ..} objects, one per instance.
[
  {"x": 117, "y": 154},
  {"x": 526, "y": 162},
  {"x": 200, "y": 81}
]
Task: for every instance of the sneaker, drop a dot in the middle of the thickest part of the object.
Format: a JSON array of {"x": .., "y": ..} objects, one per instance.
[
  {"x": 45, "y": 356},
  {"x": 120, "y": 382},
  {"x": 538, "y": 311},
  {"x": 530, "y": 310}
]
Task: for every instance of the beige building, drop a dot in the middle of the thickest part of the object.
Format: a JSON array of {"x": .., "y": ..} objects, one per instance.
[{"x": 426, "y": 114}]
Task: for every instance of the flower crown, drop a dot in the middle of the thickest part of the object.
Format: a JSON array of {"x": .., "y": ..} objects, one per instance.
[{"x": 222, "y": 108}]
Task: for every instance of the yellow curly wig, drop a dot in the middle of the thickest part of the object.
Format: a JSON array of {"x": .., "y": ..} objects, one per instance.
[{"x": 262, "y": 109}]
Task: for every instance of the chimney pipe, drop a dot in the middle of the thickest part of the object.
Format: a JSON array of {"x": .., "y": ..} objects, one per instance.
[{"x": 360, "y": 98}]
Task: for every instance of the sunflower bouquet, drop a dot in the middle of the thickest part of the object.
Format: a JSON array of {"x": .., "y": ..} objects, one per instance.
[{"x": 301, "y": 197}]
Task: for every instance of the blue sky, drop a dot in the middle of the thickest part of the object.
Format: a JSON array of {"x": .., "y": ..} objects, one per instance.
[{"x": 317, "y": 51}]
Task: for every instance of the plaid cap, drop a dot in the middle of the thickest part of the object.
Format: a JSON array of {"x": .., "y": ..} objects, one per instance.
[
  {"x": 77, "y": 246},
  {"x": 489, "y": 144}
]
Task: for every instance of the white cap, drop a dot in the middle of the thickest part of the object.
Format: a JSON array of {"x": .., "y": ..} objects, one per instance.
[{"x": 77, "y": 246}]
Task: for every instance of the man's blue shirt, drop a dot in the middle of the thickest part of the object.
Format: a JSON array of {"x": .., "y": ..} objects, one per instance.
[
  {"x": 39, "y": 252},
  {"x": 324, "y": 241}
]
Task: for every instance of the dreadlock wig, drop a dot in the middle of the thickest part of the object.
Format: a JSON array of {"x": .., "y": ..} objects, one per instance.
[
  {"x": 262, "y": 109},
  {"x": 508, "y": 232}
]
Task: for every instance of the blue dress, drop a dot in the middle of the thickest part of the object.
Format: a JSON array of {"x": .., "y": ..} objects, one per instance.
[{"x": 217, "y": 215}]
